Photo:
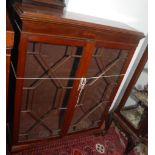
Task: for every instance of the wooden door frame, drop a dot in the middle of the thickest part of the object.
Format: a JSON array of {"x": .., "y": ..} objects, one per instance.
[
  {"x": 22, "y": 50},
  {"x": 129, "y": 88},
  {"x": 72, "y": 105}
]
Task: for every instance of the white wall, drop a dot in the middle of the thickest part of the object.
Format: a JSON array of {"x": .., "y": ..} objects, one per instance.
[{"x": 131, "y": 12}]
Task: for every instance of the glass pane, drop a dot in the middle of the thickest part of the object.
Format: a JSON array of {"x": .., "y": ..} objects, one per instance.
[
  {"x": 96, "y": 94},
  {"x": 136, "y": 106},
  {"x": 44, "y": 101}
]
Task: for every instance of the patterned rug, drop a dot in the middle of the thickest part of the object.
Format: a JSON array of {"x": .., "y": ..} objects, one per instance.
[
  {"x": 140, "y": 149},
  {"x": 113, "y": 143}
]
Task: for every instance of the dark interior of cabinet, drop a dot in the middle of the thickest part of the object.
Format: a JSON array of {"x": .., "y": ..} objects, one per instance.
[{"x": 12, "y": 79}]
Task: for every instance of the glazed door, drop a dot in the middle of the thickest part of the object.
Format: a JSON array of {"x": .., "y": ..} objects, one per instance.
[
  {"x": 44, "y": 94},
  {"x": 106, "y": 70}
]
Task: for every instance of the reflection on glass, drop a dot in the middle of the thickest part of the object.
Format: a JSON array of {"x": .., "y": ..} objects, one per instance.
[{"x": 136, "y": 106}]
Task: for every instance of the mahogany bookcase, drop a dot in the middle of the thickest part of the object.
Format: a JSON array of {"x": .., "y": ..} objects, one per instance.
[{"x": 52, "y": 44}]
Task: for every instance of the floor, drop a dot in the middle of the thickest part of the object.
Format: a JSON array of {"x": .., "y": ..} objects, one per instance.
[{"x": 114, "y": 142}]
